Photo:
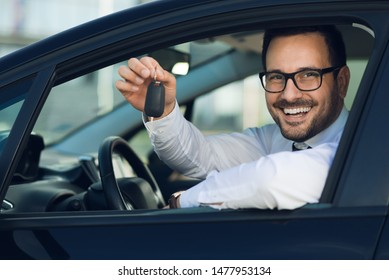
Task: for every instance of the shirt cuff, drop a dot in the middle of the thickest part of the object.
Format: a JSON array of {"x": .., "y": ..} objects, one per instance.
[
  {"x": 163, "y": 125},
  {"x": 189, "y": 198},
  {"x": 192, "y": 196}
]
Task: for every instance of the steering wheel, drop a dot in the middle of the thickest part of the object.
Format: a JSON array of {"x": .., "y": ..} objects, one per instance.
[{"x": 112, "y": 191}]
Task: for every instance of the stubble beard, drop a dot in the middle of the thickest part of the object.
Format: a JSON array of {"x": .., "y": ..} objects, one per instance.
[{"x": 294, "y": 130}]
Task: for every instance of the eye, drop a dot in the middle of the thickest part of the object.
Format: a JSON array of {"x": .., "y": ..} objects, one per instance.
[
  {"x": 309, "y": 74},
  {"x": 274, "y": 77}
]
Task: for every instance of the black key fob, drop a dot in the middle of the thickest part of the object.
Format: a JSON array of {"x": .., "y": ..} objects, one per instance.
[{"x": 155, "y": 99}]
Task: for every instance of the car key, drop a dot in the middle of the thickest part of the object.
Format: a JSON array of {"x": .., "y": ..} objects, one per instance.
[{"x": 155, "y": 98}]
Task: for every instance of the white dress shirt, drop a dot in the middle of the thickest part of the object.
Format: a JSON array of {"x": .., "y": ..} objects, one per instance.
[{"x": 252, "y": 169}]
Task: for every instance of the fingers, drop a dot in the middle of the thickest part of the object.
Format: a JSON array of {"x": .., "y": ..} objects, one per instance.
[
  {"x": 138, "y": 75},
  {"x": 146, "y": 68},
  {"x": 141, "y": 70},
  {"x": 131, "y": 81}
]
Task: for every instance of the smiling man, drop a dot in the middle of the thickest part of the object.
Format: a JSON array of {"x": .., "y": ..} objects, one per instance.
[
  {"x": 282, "y": 165},
  {"x": 306, "y": 101}
]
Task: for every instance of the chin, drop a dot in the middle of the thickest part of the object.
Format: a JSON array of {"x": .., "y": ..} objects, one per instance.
[{"x": 295, "y": 133}]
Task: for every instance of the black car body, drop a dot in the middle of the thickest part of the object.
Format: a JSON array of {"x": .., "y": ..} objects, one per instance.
[{"x": 45, "y": 214}]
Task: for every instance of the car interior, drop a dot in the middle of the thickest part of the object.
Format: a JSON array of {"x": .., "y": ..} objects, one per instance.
[{"x": 94, "y": 154}]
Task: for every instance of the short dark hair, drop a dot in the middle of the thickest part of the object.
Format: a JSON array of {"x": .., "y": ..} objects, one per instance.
[{"x": 332, "y": 36}]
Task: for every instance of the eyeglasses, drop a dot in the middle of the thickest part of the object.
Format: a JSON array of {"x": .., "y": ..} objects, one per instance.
[{"x": 305, "y": 80}]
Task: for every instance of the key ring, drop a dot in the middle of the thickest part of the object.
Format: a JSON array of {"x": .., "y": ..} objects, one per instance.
[{"x": 155, "y": 77}]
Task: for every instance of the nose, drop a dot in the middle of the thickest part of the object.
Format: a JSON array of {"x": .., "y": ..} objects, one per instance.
[{"x": 291, "y": 92}]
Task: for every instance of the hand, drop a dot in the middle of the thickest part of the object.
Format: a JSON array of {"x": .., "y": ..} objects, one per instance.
[
  {"x": 137, "y": 77},
  {"x": 174, "y": 201}
]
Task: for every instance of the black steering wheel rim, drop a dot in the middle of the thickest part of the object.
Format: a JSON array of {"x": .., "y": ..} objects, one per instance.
[{"x": 110, "y": 185}]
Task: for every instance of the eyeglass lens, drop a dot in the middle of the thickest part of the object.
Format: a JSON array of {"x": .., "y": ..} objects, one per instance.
[{"x": 303, "y": 80}]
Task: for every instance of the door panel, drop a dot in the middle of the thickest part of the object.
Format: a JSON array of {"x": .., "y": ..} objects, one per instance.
[{"x": 330, "y": 233}]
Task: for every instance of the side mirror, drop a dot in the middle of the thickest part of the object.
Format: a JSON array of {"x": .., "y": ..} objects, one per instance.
[{"x": 172, "y": 60}]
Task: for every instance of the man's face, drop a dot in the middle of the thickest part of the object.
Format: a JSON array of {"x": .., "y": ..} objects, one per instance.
[{"x": 303, "y": 114}]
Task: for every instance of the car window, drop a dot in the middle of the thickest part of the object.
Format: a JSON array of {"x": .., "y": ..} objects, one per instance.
[
  {"x": 218, "y": 92},
  {"x": 237, "y": 106},
  {"x": 240, "y": 104},
  {"x": 97, "y": 96},
  {"x": 12, "y": 98},
  {"x": 220, "y": 109},
  {"x": 9, "y": 114}
]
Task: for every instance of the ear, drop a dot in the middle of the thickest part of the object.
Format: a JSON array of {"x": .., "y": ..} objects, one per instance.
[{"x": 343, "y": 80}]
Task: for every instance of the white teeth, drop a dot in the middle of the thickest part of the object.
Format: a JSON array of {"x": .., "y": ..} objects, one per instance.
[{"x": 293, "y": 111}]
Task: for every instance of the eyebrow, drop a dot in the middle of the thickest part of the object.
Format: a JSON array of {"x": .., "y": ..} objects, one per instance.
[{"x": 298, "y": 70}]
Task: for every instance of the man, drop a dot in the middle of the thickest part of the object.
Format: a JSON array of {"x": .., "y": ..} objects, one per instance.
[{"x": 305, "y": 80}]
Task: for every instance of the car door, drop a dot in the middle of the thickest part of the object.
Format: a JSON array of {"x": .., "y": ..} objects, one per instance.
[
  {"x": 364, "y": 182},
  {"x": 345, "y": 225}
]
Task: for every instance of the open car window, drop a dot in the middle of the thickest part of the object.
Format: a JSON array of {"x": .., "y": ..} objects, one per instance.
[
  {"x": 229, "y": 98},
  {"x": 97, "y": 96}
]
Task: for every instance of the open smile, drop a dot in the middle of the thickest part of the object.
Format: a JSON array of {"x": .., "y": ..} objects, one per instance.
[
  {"x": 296, "y": 115},
  {"x": 296, "y": 111}
]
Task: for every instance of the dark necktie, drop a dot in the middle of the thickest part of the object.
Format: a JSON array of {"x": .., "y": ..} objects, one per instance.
[{"x": 300, "y": 146}]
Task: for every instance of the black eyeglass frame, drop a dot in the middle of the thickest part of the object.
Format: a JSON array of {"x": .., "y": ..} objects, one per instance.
[{"x": 291, "y": 76}]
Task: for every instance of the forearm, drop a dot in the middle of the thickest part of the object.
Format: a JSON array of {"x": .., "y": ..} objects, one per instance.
[
  {"x": 284, "y": 181},
  {"x": 181, "y": 145}
]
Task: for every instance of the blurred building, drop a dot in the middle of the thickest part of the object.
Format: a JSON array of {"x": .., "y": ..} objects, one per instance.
[{"x": 25, "y": 21}]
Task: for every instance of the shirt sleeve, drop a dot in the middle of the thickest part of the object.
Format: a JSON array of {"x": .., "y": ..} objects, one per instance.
[
  {"x": 284, "y": 180},
  {"x": 184, "y": 148}
]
